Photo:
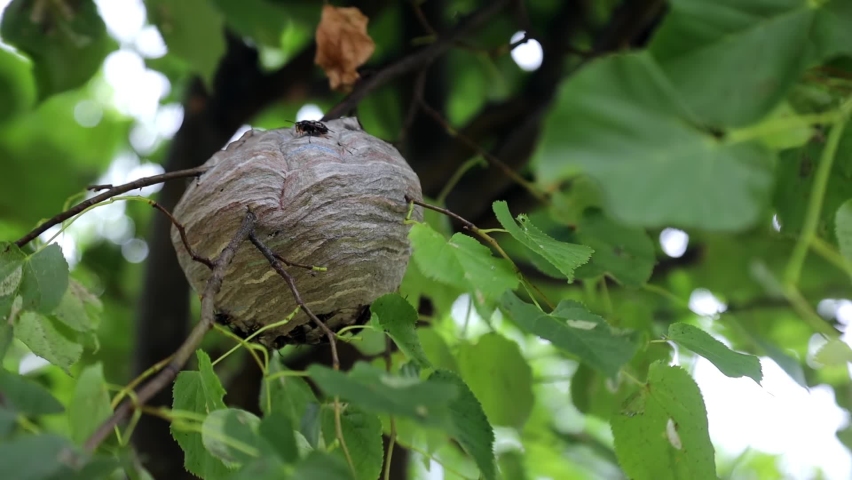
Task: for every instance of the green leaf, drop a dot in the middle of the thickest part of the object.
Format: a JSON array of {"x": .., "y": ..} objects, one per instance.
[
  {"x": 625, "y": 253},
  {"x": 620, "y": 121},
  {"x": 564, "y": 256},
  {"x": 572, "y": 328},
  {"x": 708, "y": 51},
  {"x": 461, "y": 262},
  {"x": 470, "y": 426},
  {"x": 8, "y": 421},
  {"x": 231, "y": 435},
  {"x": 830, "y": 31},
  {"x": 35, "y": 457},
  {"x": 499, "y": 375},
  {"x": 321, "y": 465},
  {"x": 835, "y": 352},
  {"x": 286, "y": 394},
  {"x": 398, "y": 318},
  {"x": 263, "y": 468},
  {"x": 194, "y": 31},
  {"x": 843, "y": 229},
  {"x": 48, "y": 339},
  {"x": 436, "y": 349},
  {"x": 363, "y": 435},
  {"x": 17, "y": 86},
  {"x": 377, "y": 391},
  {"x": 731, "y": 363},
  {"x": 661, "y": 433},
  {"x": 26, "y": 396},
  {"x": 198, "y": 392},
  {"x": 45, "y": 279},
  {"x": 79, "y": 310},
  {"x": 261, "y": 20},
  {"x": 11, "y": 272},
  {"x": 214, "y": 392},
  {"x": 67, "y": 42},
  {"x": 7, "y": 334},
  {"x": 277, "y": 429},
  {"x": 90, "y": 405}
]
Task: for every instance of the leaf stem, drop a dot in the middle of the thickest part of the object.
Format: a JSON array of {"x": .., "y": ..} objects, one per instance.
[{"x": 809, "y": 227}]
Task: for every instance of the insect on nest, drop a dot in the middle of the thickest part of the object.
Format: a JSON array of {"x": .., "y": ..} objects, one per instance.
[{"x": 311, "y": 128}]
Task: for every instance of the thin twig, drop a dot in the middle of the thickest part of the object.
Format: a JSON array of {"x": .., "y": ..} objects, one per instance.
[
  {"x": 392, "y": 435},
  {"x": 189, "y": 346},
  {"x": 289, "y": 263},
  {"x": 276, "y": 265},
  {"x": 488, "y": 239},
  {"x": 198, "y": 258},
  {"x": 493, "y": 160},
  {"x": 416, "y": 99},
  {"x": 424, "y": 56},
  {"x": 112, "y": 192}
]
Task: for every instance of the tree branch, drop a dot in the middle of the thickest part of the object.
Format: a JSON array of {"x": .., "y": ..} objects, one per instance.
[
  {"x": 417, "y": 60},
  {"x": 111, "y": 192},
  {"x": 189, "y": 346}
]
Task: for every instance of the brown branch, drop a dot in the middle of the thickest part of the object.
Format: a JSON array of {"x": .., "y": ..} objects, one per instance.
[
  {"x": 112, "y": 192},
  {"x": 416, "y": 100},
  {"x": 493, "y": 160},
  {"x": 424, "y": 56},
  {"x": 313, "y": 268},
  {"x": 198, "y": 258},
  {"x": 189, "y": 346},
  {"x": 276, "y": 265}
]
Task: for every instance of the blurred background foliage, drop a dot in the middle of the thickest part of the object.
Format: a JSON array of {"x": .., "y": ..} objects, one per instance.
[{"x": 686, "y": 164}]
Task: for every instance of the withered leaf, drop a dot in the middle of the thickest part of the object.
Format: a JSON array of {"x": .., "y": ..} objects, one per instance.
[{"x": 342, "y": 45}]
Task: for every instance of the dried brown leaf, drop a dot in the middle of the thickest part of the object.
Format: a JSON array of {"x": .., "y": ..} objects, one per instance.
[{"x": 342, "y": 45}]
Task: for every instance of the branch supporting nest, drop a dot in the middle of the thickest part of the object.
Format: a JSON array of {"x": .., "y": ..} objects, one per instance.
[
  {"x": 168, "y": 374},
  {"x": 111, "y": 192}
]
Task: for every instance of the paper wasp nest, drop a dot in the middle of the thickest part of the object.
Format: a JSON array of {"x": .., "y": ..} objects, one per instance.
[{"x": 335, "y": 201}]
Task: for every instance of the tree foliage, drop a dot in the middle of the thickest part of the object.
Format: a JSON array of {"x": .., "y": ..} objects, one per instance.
[{"x": 545, "y": 193}]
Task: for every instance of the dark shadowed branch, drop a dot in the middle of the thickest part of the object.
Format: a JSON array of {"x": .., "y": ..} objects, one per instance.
[{"x": 189, "y": 346}]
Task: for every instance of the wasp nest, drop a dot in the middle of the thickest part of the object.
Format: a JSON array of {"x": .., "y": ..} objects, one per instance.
[{"x": 332, "y": 199}]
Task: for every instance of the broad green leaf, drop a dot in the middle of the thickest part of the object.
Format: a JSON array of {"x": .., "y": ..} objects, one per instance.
[
  {"x": 830, "y": 32},
  {"x": 45, "y": 279},
  {"x": 566, "y": 257},
  {"x": 729, "y": 362},
  {"x": 661, "y": 432},
  {"x": 461, "y": 262},
  {"x": 470, "y": 426},
  {"x": 7, "y": 334},
  {"x": 625, "y": 253},
  {"x": 261, "y": 20},
  {"x": 500, "y": 377},
  {"x": 708, "y": 51},
  {"x": 321, "y": 465},
  {"x": 79, "y": 310},
  {"x": 398, "y": 318},
  {"x": 48, "y": 339},
  {"x": 17, "y": 86},
  {"x": 263, "y": 468},
  {"x": 26, "y": 396},
  {"x": 11, "y": 272},
  {"x": 619, "y": 121},
  {"x": 363, "y": 435},
  {"x": 287, "y": 394},
  {"x": 843, "y": 229},
  {"x": 377, "y": 391},
  {"x": 214, "y": 392},
  {"x": 436, "y": 349},
  {"x": 231, "y": 435},
  {"x": 572, "y": 328},
  {"x": 196, "y": 391},
  {"x": 277, "y": 430},
  {"x": 593, "y": 393},
  {"x": 36, "y": 457},
  {"x": 8, "y": 421},
  {"x": 90, "y": 405},
  {"x": 194, "y": 31},
  {"x": 512, "y": 466},
  {"x": 834, "y": 352},
  {"x": 67, "y": 42}
]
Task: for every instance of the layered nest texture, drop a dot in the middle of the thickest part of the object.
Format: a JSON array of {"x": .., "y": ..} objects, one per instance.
[{"x": 332, "y": 199}]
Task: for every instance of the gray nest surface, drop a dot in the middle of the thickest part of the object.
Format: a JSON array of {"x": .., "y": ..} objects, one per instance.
[{"x": 335, "y": 201}]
